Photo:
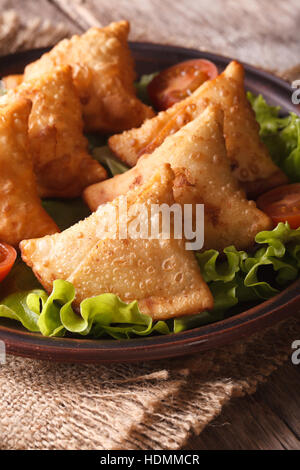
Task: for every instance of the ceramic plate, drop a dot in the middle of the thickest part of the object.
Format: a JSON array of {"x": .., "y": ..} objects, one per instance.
[{"x": 150, "y": 58}]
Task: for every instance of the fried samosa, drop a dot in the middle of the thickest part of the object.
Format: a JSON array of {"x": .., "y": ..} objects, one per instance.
[
  {"x": 103, "y": 74},
  {"x": 159, "y": 273},
  {"x": 21, "y": 212},
  {"x": 11, "y": 82},
  {"x": 48, "y": 256},
  {"x": 57, "y": 256},
  {"x": 249, "y": 158},
  {"x": 199, "y": 148},
  {"x": 57, "y": 144}
]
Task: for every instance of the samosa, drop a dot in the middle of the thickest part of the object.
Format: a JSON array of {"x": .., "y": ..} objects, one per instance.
[
  {"x": 198, "y": 148},
  {"x": 10, "y": 82},
  {"x": 159, "y": 273},
  {"x": 21, "y": 213},
  {"x": 103, "y": 74},
  {"x": 59, "y": 149},
  {"x": 250, "y": 161}
]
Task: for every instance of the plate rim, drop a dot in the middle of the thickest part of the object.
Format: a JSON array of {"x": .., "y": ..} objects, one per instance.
[
  {"x": 160, "y": 347},
  {"x": 144, "y": 45},
  {"x": 202, "y": 338},
  {"x": 211, "y": 56}
]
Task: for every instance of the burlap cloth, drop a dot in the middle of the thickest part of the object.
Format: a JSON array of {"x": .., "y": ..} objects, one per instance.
[{"x": 146, "y": 406}]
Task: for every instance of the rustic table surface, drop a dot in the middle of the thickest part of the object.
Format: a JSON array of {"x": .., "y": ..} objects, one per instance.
[{"x": 260, "y": 32}]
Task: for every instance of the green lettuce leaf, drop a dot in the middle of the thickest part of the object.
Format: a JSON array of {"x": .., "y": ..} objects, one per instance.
[
  {"x": 14, "y": 291},
  {"x": 103, "y": 315},
  {"x": 217, "y": 268},
  {"x": 66, "y": 212},
  {"x": 106, "y": 157},
  {"x": 291, "y": 137},
  {"x": 267, "y": 115},
  {"x": 236, "y": 279},
  {"x": 254, "y": 276},
  {"x": 15, "y": 307},
  {"x": 20, "y": 278},
  {"x": 289, "y": 134},
  {"x": 194, "y": 321},
  {"x": 3, "y": 90},
  {"x": 141, "y": 87},
  {"x": 96, "y": 140},
  {"x": 281, "y": 135}
]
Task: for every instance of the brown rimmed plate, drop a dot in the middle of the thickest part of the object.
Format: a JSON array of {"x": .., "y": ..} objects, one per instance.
[{"x": 150, "y": 58}]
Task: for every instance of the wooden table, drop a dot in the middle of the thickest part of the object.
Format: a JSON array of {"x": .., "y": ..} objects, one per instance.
[{"x": 260, "y": 32}]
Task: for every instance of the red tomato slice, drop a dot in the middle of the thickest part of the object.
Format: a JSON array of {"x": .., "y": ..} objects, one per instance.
[
  {"x": 8, "y": 257},
  {"x": 179, "y": 81},
  {"x": 282, "y": 204}
]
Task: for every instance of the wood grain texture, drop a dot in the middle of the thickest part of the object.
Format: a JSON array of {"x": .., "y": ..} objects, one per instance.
[
  {"x": 267, "y": 420},
  {"x": 31, "y": 9},
  {"x": 23, "y": 25},
  {"x": 260, "y": 32}
]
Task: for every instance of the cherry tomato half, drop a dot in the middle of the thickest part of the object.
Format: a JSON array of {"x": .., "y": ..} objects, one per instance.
[
  {"x": 282, "y": 204},
  {"x": 7, "y": 259},
  {"x": 179, "y": 81}
]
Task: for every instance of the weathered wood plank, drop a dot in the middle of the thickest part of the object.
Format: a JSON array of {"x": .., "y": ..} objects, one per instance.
[
  {"x": 79, "y": 12},
  {"x": 268, "y": 420},
  {"x": 282, "y": 396},
  {"x": 30, "y": 9},
  {"x": 24, "y": 26}
]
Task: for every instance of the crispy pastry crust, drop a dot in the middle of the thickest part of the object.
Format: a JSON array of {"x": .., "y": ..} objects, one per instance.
[
  {"x": 199, "y": 149},
  {"x": 21, "y": 212},
  {"x": 57, "y": 144},
  {"x": 12, "y": 81},
  {"x": 249, "y": 158},
  {"x": 103, "y": 74},
  {"x": 159, "y": 273}
]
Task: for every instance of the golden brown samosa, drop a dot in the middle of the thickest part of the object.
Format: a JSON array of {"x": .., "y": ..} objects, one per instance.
[
  {"x": 57, "y": 144},
  {"x": 199, "y": 148},
  {"x": 10, "y": 82},
  {"x": 159, "y": 273},
  {"x": 103, "y": 74},
  {"x": 249, "y": 158},
  {"x": 57, "y": 256},
  {"x": 21, "y": 212}
]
